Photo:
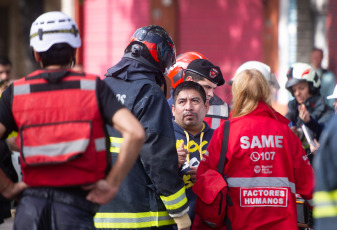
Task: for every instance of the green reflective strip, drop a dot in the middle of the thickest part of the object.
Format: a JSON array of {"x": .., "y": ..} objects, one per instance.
[
  {"x": 132, "y": 220},
  {"x": 115, "y": 144},
  {"x": 176, "y": 200},
  {"x": 325, "y": 204},
  {"x": 70, "y": 31},
  {"x": 114, "y": 150}
]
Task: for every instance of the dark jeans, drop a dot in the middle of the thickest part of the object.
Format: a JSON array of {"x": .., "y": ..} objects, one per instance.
[{"x": 52, "y": 209}]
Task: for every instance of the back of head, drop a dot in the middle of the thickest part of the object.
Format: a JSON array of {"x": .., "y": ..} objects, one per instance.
[
  {"x": 249, "y": 87},
  {"x": 302, "y": 72},
  {"x": 205, "y": 69},
  {"x": 55, "y": 36},
  {"x": 177, "y": 72},
  {"x": 152, "y": 46},
  {"x": 264, "y": 70}
]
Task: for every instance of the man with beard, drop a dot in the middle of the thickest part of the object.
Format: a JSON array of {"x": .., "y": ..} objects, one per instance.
[{"x": 191, "y": 131}]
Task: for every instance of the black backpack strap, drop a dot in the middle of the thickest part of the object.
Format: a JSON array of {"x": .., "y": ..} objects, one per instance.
[
  {"x": 223, "y": 152},
  {"x": 221, "y": 166}
]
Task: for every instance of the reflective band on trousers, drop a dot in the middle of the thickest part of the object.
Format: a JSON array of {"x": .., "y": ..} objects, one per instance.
[
  {"x": 132, "y": 220},
  {"x": 325, "y": 204},
  {"x": 261, "y": 182},
  {"x": 176, "y": 200},
  {"x": 115, "y": 144},
  {"x": 63, "y": 148}
]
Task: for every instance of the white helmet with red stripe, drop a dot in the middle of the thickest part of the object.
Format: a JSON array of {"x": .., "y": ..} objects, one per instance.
[{"x": 302, "y": 72}]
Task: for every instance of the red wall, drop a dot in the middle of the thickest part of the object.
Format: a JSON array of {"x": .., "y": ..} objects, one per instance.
[
  {"x": 108, "y": 26},
  {"x": 227, "y": 32}
]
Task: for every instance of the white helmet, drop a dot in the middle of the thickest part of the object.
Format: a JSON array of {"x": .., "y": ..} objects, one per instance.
[
  {"x": 300, "y": 72},
  {"x": 262, "y": 68},
  {"x": 52, "y": 28}
]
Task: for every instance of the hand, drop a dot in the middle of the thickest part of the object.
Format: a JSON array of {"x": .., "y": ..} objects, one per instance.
[
  {"x": 101, "y": 192},
  {"x": 314, "y": 148},
  {"x": 13, "y": 190},
  {"x": 304, "y": 113},
  {"x": 182, "y": 154},
  {"x": 193, "y": 173},
  {"x": 12, "y": 144}
]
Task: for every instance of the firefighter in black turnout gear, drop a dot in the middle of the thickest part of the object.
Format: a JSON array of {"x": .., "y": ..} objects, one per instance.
[{"x": 153, "y": 195}]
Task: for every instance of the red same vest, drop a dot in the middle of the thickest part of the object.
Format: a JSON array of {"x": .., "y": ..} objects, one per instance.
[{"x": 61, "y": 137}]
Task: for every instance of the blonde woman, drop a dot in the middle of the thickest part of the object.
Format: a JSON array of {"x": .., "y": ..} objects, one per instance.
[{"x": 265, "y": 162}]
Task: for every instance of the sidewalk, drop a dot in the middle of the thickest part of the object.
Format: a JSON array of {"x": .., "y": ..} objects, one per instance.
[{"x": 8, "y": 225}]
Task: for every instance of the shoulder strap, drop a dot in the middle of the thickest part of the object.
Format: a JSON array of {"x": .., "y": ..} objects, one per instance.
[{"x": 223, "y": 152}]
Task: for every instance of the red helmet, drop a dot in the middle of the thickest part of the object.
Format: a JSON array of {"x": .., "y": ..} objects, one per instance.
[{"x": 177, "y": 72}]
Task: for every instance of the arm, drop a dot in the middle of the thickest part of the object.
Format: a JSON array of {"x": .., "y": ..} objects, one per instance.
[
  {"x": 7, "y": 188},
  {"x": 133, "y": 135},
  {"x": 159, "y": 154}
]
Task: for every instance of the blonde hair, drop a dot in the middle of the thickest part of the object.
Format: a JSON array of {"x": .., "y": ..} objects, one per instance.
[{"x": 249, "y": 87}]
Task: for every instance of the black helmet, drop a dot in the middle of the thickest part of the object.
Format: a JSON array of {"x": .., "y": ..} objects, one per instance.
[{"x": 152, "y": 46}]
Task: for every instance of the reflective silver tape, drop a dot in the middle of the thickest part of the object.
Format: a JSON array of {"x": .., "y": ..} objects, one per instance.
[
  {"x": 261, "y": 182},
  {"x": 88, "y": 85},
  {"x": 100, "y": 144},
  {"x": 21, "y": 89},
  {"x": 58, "y": 149}
]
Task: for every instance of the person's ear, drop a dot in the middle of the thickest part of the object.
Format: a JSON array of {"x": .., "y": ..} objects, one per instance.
[
  {"x": 37, "y": 56},
  {"x": 173, "y": 110},
  {"x": 189, "y": 78},
  {"x": 207, "y": 106}
]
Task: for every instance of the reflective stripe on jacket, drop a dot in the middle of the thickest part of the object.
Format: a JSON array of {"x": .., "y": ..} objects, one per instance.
[
  {"x": 266, "y": 167},
  {"x": 325, "y": 161},
  {"x": 217, "y": 113},
  {"x": 60, "y": 128},
  {"x": 153, "y": 191}
]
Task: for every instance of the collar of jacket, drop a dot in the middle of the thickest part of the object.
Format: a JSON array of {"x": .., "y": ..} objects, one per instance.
[
  {"x": 180, "y": 130},
  {"x": 132, "y": 70},
  {"x": 265, "y": 110}
]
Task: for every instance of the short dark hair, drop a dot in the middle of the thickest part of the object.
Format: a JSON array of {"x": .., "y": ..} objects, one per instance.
[
  {"x": 189, "y": 85},
  {"x": 196, "y": 77},
  {"x": 58, "y": 54},
  {"x": 5, "y": 61},
  {"x": 318, "y": 49}
]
